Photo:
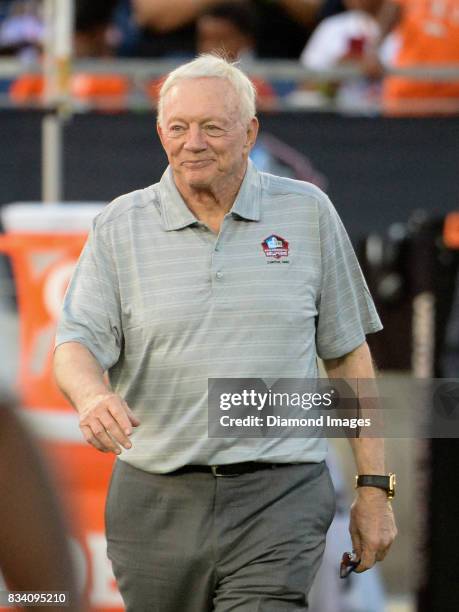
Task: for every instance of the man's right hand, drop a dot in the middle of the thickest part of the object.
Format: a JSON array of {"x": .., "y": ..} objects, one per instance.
[{"x": 107, "y": 422}]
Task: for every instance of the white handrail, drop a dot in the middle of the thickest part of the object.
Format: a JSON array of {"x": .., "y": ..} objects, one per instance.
[{"x": 270, "y": 69}]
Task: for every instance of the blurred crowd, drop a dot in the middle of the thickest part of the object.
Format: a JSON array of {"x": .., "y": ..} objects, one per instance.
[{"x": 320, "y": 34}]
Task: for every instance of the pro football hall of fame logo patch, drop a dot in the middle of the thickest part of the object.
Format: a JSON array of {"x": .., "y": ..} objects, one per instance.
[{"x": 275, "y": 248}]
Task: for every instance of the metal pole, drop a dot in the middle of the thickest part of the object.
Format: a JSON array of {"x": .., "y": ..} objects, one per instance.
[
  {"x": 58, "y": 15},
  {"x": 52, "y": 166}
]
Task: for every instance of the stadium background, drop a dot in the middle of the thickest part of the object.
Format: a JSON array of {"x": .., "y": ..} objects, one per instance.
[{"x": 394, "y": 182}]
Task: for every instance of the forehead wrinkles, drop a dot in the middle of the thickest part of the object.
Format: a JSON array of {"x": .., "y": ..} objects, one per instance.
[{"x": 189, "y": 100}]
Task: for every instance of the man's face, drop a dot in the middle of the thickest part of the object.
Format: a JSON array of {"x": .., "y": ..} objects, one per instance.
[{"x": 206, "y": 142}]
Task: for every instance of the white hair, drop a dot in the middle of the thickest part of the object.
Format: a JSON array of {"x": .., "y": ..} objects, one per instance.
[{"x": 209, "y": 65}]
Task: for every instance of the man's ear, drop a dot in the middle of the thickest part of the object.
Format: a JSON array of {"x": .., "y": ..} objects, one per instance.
[
  {"x": 252, "y": 132},
  {"x": 159, "y": 131}
]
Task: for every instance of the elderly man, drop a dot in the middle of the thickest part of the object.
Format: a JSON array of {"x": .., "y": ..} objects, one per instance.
[{"x": 174, "y": 287}]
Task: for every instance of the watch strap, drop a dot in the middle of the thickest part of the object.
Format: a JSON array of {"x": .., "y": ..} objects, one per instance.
[{"x": 385, "y": 482}]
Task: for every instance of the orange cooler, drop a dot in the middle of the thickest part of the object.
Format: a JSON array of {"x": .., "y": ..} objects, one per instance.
[{"x": 43, "y": 243}]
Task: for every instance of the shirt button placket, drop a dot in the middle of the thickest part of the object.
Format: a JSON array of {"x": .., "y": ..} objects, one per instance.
[{"x": 217, "y": 260}]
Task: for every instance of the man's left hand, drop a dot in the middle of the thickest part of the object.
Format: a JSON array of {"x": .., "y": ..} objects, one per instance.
[{"x": 372, "y": 526}]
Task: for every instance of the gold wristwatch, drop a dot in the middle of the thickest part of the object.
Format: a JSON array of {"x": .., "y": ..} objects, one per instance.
[{"x": 388, "y": 483}]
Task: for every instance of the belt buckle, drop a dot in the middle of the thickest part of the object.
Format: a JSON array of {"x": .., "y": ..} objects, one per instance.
[{"x": 217, "y": 474}]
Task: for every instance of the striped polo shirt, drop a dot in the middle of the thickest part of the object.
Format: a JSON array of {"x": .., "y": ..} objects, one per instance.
[{"x": 164, "y": 304}]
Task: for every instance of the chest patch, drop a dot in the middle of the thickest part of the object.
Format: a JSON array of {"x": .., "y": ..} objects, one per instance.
[{"x": 275, "y": 248}]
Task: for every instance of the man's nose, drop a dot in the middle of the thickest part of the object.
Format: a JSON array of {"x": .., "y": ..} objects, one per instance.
[{"x": 195, "y": 140}]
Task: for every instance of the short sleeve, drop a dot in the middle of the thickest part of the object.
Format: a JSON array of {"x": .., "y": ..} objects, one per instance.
[
  {"x": 346, "y": 312},
  {"x": 91, "y": 310}
]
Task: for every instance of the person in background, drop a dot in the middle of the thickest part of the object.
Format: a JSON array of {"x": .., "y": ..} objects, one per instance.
[
  {"x": 93, "y": 25},
  {"x": 34, "y": 551},
  {"x": 341, "y": 39},
  {"x": 168, "y": 26},
  {"x": 285, "y": 25},
  {"x": 21, "y": 29},
  {"x": 230, "y": 28},
  {"x": 428, "y": 32}
]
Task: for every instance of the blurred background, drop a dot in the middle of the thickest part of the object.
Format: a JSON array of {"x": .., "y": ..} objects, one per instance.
[{"x": 360, "y": 97}]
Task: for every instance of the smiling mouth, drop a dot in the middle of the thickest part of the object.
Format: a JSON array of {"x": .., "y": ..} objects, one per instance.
[{"x": 197, "y": 163}]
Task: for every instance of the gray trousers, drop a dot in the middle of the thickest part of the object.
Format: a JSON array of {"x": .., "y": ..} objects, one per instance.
[{"x": 200, "y": 543}]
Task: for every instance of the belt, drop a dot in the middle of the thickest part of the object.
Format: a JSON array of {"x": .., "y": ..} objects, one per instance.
[{"x": 231, "y": 469}]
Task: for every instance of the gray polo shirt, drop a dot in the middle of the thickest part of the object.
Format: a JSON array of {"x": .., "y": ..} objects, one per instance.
[{"x": 164, "y": 304}]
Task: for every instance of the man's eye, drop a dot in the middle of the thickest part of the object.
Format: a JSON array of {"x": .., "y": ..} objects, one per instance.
[
  {"x": 176, "y": 129},
  {"x": 213, "y": 130}
]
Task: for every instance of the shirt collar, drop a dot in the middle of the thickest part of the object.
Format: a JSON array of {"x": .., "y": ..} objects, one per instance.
[
  {"x": 247, "y": 203},
  {"x": 176, "y": 214}
]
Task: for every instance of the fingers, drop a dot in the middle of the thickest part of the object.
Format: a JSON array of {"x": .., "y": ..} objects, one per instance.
[
  {"x": 98, "y": 437},
  {"x": 133, "y": 419},
  {"x": 372, "y": 552},
  {"x": 367, "y": 560},
  {"x": 356, "y": 544},
  {"x": 113, "y": 428},
  {"x": 372, "y": 549},
  {"x": 108, "y": 423},
  {"x": 363, "y": 553},
  {"x": 372, "y": 528},
  {"x": 119, "y": 418},
  {"x": 91, "y": 439}
]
